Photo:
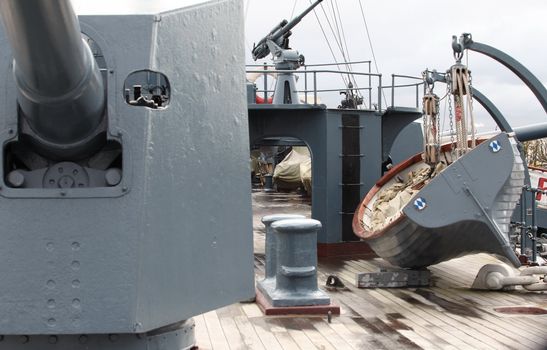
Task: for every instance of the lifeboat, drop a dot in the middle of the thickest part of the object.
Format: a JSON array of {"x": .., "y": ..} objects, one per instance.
[{"x": 417, "y": 215}]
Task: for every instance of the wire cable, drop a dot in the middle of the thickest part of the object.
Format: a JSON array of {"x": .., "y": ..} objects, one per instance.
[
  {"x": 345, "y": 46},
  {"x": 371, "y": 47},
  {"x": 293, "y": 7},
  {"x": 245, "y": 13},
  {"x": 328, "y": 43}
]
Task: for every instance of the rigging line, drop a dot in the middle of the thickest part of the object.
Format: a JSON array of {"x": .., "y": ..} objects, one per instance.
[
  {"x": 328, "y": 43},
  {"x": 444, "y": 113},
  {"x": 371, "y": 47},
  {"x": 335, "y": 20},
  {"x": 340, "y": 29},
  {"x": 246, "y": 11},
  {"x": 345, "y": 43},
  {"x": 293, "y": 7},
  {"x": 337, "y": 42},
  {"x": 332, "y": 30}
]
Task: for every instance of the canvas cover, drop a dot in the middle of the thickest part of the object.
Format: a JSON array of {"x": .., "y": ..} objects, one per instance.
[{"x": 288, "y": 172}]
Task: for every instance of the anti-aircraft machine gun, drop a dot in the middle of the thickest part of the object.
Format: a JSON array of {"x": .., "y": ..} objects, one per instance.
[
  {"x": 285, "y": 58},
  {"x": 110, "y": 237}
]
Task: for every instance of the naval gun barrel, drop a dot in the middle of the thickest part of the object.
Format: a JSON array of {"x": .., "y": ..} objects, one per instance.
[
  {"x": 60, "y": 87},
  {"x": 261, "y": 49}
]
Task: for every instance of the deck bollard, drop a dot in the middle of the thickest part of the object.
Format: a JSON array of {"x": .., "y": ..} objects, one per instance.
[
  {"x": 296, "y": 275},
  {"x": 267, "y": 285},
  {"x": 268, "y": 183}
]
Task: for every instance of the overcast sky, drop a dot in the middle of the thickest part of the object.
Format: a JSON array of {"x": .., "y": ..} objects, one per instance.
[{"x": 407, "y": 36}]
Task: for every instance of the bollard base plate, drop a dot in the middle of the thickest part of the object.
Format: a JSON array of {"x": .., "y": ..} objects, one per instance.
[
  {"x": 269, "y": 310},
  {"x": 266, "y": 286}
]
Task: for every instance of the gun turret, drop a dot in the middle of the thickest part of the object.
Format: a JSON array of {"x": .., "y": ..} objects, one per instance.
[
  {"x": 60, "y": 88},
  {"x": 279, "y": 34}
]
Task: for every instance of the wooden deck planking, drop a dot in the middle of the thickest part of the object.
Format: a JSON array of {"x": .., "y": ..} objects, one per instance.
[
  {"x": 215, "y": 331},
  {"x": 531, "y": 339},
  {"x": 505, "y": 323},
  {"x": 337, "y": 341},
  {"x": 285, "y": 339},
  {"x": 447, "y": 315},
  {"x": 232, "y": 334},
  {"x": 313, "y": 334},
  {"x": 367, "y": 320},
  {"x": 201, "y": 333},
  {"x": 263, "y": 330},
  {"x": 247, "y": 331}
]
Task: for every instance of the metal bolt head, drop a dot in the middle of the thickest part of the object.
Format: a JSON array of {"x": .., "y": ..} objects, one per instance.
[
  {"x": 83, "y": 339},
  {"x": 113, "y": 176},
  {"x": 66, "y": 181},
  {"x": 16, "y": 178},
  {"x": 52, "y": 339}
]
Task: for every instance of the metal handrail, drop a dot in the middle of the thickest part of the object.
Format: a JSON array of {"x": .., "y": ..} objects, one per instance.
[
  {"x": 315, "y": 90},
  {"x": 336, "y": 64},
  {"x": 417, "y": 85},
  {"x": 318, "y": 90},
  {"x": 265, "y": 72},
  {"x": 314, "y": 64},
  {"x": 314, "y": 71}
]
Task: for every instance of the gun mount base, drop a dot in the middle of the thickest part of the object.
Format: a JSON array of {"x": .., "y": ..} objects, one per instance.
[
  {"x": 285, "y": 89},
  {"x": 176, "y": 337}
]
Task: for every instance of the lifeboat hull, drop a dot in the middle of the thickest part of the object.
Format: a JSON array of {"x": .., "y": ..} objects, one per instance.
[{"x": 465, "y": 209}]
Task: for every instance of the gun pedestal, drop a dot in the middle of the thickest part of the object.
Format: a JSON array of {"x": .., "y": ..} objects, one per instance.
[{"x": 285, "y": 58}]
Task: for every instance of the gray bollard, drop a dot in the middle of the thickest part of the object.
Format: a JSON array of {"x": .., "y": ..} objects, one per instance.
[
  {"x": 267, "y": 285},
  {"x": 296, "y": 276},
  {"x": 268, "y": 183}
]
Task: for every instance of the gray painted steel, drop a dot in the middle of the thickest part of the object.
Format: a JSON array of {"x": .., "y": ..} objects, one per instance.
[
  {"x": 296, "y": 275},
  {"x": 537, "y": 87},
  {"x": 468, "y": 210},
  {"x": 267, "y": 285},
  {"x": 408, "y": 143},
  {"x": 531, "y": 132},
  {"x": 170, "y": 243},
  {"x": 179, "y": 337},
  {"x": 285, "y": 89},
  {"x": 60, "y": 87},
  {"x": 394, "y": 120},
  {"x": 321, "y": 130}
]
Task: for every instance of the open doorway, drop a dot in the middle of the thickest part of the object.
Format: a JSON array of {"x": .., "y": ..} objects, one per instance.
[{"x": 281, "y": 182}]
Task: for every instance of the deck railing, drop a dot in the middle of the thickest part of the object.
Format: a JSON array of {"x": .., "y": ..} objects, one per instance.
[{"x": 311, "y": 84}]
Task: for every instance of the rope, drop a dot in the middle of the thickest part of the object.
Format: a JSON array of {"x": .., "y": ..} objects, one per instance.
[
  {"x": 430, "y": 105},
  {"x": 460, "y": 88},
  {"x": 334, "y": 35},
  {"x": 328, "y": 44},
  {"x": 342, "y": 28},
  {"x": 467, "y": 85},
  {"x": 345, "y": 45},
  {"x": 371, "y": 47}
]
